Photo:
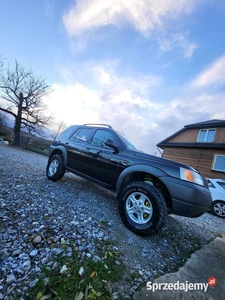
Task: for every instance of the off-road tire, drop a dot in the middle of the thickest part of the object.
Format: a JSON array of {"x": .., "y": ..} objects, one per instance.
[
  {"x": 142, "y": 208},
  {"x": 55, "y": 168}
]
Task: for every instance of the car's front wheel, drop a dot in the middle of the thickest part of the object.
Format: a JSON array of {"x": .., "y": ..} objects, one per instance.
[
  {"x": 218, "y": 208},
  {"x": 55, "y": 169},
  {"x": 142, "y": 208}
]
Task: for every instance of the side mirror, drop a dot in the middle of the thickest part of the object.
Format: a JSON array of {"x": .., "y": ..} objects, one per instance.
[{"x": 111, "y": 144}]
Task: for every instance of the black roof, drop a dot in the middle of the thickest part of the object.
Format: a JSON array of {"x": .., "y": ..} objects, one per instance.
[
  {"x": 192, "y": 145},
  {"x": 206, "y": 124}
]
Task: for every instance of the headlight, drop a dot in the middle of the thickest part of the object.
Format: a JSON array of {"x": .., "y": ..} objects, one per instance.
[{"x": 189, "y": 175}]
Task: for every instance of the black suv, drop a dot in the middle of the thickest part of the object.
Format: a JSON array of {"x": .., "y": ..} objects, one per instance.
[{"x": 147, "y": 187}]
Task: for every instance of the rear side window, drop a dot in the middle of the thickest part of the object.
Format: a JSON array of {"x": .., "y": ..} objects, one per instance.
[
  {"x": 66, "y": 134},
  {"x": 83, "y": 135}
]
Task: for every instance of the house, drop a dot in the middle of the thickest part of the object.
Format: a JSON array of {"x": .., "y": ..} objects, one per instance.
[{"x": 200, "y": 145}]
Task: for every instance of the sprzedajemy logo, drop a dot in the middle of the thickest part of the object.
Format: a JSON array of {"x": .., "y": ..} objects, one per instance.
[{"x": 177, "y": 286}]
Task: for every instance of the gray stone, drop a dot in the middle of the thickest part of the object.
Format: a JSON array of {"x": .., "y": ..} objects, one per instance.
[
  {"x": 57, "y": 251},
  {"x": 96, "y": 258},
  {"x": 10, "y": 278},
  {"x": 27, "y": 265},
  {"x": 33, "y": 252},
  {"x": 4, "y": 254},
  {"x": 143, "y": 254},
  {"x": 33, "y": 283},
  {"x": 37, "y": 240},
  {"x": 63, "y": 269},
  {"x": 16, "y": 252}
]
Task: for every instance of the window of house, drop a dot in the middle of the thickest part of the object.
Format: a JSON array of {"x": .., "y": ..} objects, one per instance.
[
  {"x": 219, "y": 163},
  {"x": 206, "y": 135}
]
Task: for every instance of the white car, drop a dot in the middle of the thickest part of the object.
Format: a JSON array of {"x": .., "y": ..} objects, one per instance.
[
  {"x": 217, "y": 189},
  {"x": 3, "y": 141}
]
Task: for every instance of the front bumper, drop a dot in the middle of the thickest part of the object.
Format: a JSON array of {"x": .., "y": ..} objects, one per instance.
[{"x": 188, "y": 199}]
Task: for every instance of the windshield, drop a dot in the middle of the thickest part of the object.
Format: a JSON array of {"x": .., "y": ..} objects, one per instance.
[{"x": 129, "y": 144}]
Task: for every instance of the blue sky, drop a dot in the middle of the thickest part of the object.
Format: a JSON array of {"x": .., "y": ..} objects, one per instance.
[{"x": 147, "y": 67}]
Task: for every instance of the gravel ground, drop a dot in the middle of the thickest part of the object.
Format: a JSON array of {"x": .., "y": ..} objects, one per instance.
[{"x": 37, "y": 216}]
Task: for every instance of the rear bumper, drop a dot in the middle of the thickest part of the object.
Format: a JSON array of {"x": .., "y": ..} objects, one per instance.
[{"x": 188, "y": 199}]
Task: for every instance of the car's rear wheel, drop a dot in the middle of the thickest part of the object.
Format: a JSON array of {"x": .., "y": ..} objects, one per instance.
[
  {"x": 142, "y": 208},
  {"x": 218, "y": 208},
  {"x": 55, "y": 169}
]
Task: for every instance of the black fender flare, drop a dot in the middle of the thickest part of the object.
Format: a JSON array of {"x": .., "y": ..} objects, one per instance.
[
  {"x": 137, "y": 168},
  {"x": 61, "y": 149}
]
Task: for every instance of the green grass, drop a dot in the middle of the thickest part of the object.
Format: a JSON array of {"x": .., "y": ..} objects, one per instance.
[
  {"x": 91, "y": 284},
  {"x": 220, "y": 235},
  {"x": 194, "y": 239}
]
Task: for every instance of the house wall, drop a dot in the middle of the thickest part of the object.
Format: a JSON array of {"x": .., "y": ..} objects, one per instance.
[
  {"x": 191, "y": 135},
  {"x": 187, "y": 136},
  {"x": 200, "y": 159},
  {"x": 220, "y": 135}
]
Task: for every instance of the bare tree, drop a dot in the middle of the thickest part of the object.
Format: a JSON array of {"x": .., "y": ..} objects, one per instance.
[
  {"x": 58, "y": 128},
  {"x": 3, "y": 120},
  {"x": 22, "y": 94},
  {"x": 1, "y": 62}
]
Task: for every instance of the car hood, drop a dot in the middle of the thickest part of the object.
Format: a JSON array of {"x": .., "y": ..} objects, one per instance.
[
  {"x": 160, "y": 160},
  {"x": 217, "y": 194}
]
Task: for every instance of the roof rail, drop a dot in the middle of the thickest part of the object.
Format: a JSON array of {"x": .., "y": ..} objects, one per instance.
[{"x": 95, "y": 124}]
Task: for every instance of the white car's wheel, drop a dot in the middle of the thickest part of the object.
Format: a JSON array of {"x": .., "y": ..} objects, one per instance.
[{"x": 218, "y": 208}]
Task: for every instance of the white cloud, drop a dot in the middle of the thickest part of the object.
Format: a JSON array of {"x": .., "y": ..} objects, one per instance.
[
  {"x": 121, "y": 102},
  {"x": 132, "y": 105},
  {"x": 213, "y": 75},
  {"x": 74, "y": 104},
  {"x": 188, "y": 110},
  {"x": 158, "y": 19},
  {"x": 144, "y": 15},
  {"x": 177, "y": 41},
  {"x": 64, "y": 71},
  {"x": 105, "y": 73}
]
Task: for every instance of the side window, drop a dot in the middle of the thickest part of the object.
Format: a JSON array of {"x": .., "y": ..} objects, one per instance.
[
  {"x": 83, "y": 135},
  {"x": 100, "y": 137},
  {"x": 210, "y": 183}
]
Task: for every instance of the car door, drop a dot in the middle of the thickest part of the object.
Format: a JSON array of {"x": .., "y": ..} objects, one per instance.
[
  {"x": 77, "y": 153},
  {"x": 103, "y": 161}
]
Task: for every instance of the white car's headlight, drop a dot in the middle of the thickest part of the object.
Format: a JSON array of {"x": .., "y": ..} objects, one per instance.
[{"x": 192, "y": 176}]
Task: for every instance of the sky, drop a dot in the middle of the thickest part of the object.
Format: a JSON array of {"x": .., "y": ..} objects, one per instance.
[{"x": 146, "y": 67}]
